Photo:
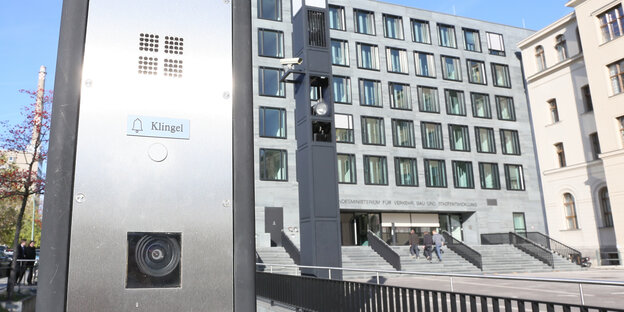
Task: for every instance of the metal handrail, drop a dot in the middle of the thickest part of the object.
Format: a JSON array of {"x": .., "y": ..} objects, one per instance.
[
  {"x": 463, "y": 250},
  {"x": 533, "y": 249},
  {"x": 559, "y": 247},
  {"x": 291, "y": 248},
  {"x": 384, "y": 250},
  {"x": 484, "y": 276}
]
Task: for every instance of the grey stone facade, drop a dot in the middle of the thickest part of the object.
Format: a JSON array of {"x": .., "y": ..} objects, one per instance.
[{"x": 478, "y": 217}]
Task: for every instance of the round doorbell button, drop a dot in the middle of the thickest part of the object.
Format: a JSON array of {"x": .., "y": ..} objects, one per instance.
[{"x": 157, "y": 152}]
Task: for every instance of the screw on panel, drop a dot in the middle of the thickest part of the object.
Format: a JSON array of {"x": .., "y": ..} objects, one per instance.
[
  {"x": 226, "y": 95},
  {"x": 88, "y": 83},
  {"x": 80, "y": 198}
]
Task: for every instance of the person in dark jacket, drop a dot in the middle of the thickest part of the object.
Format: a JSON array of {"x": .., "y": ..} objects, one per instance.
[
  {"x": 428, "y": 241},
  {"x": 20, "y": 255},
  {"x": 413, "y": 240},
  {"x": 30, "y": 253}
]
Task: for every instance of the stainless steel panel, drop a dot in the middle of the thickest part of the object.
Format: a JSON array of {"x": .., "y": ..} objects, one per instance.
[{"x": 121, "y": 187}]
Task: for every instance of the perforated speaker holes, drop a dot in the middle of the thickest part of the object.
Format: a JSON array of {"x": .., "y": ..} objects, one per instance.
[
  {"x": 148, "y": 42},
  {"x": 174, "y": 45},
  {"x": 173, "y": 68},
  {"x": 148, "y": 65}
]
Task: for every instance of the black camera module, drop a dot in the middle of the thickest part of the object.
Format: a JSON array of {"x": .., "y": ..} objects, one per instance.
[{"x": 153, "y": 260}]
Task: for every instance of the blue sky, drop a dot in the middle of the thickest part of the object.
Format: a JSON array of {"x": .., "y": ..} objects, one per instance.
[{"x": 29, "y": 36}]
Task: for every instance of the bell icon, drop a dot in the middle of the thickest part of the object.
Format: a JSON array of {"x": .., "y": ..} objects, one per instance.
[{"x": 137, "y": 125}]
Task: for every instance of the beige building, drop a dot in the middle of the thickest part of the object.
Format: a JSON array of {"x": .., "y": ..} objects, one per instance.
[{"x": 575, "y": 74}]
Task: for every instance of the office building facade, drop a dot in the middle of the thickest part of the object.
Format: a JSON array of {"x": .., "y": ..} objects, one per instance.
[{"x": 432, "y": 124}]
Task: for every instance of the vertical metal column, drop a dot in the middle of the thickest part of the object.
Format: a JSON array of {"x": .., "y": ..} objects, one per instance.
[{"x": 316, "y": 146}]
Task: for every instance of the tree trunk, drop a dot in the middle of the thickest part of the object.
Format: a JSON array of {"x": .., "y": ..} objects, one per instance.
[{"x": 16, "y": 244}]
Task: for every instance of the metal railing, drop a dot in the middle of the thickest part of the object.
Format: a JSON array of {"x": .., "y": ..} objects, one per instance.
[
  {"x": 463, "y": 250},
  {"x": 556, "y": 246},
  {"x": 291, "y": 248},
  {"x": 316, "y": 294},
  {"x": 384, "y": 250},
  {"x": 529, "y": 247}
]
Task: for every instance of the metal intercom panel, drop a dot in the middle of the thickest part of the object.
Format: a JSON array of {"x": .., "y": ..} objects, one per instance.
[{"x": 151, "y": 225}]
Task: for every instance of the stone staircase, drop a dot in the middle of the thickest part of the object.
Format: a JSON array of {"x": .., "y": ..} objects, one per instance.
[
  {"x": 362, "y": 257},
  {"x": 509, "y": 259},
  {"x": 275, "y": 255},
  {"x": 451, "y": 262}
]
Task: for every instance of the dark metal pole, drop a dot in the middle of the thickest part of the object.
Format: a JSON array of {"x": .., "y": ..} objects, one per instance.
[
  {"x": 57, "y": 209},
  {"x": 243, "y": 153}
]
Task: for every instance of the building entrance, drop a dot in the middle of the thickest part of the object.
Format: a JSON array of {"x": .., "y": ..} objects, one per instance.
[
  {"x": 355, "y": 227},
  {"x": 452, "y": 223}
]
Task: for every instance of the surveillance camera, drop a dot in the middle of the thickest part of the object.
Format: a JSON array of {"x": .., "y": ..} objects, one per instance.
[{"x": 291, "y": 61}]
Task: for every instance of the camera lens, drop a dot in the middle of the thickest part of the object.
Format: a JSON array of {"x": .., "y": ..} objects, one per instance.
[{"x": 157, "y": 255}]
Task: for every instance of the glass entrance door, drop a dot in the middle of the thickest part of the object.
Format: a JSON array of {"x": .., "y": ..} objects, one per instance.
[
  {"x": 452, "y": 223},
  {"x": 355, "y": 227},
  {"x": 519, "y": 223}
]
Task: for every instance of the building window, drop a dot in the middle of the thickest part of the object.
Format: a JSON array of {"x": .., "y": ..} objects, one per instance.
[
  {"x": 375, "y": 170},
  {"x": 489, "y": 176},
  {"x": 455, "y": 102},
  {"x": 620, "y": 121},
  {"x": 420, "y": 31},
  {"x": 400, "y": 97},
  {"x": 344, "y": 128},
  {"x": 432, "y": 135},
  {"x": 342, "y": 89},
  {"x": 510, "y": 142},
  {"x": 485, "y": 140},
  {"x": 451, "y": 69},
  {"x": 268, "y": 82},
  {"x": 336, "y": 17},
  {"x": 435, "y": 173},
  {"x": 612, "y": 23},
  {"x": 505, "y": 108},
  {"x": 476, "y": 72},
  {"x": 595, "y": 144},
  {"x": 373, "y": 131},
  {"x": 405, "y": 171},
  {"x": 514, "y": 177},
  {"x": 370, "y": 92},
  {"x": 481, "y": 105},
  {"x": 472, "y": 40},
  {"x": 500, "y": 74},
  {"x": 270, "y": 9},
  {"x": 616, "y": 74},
  {"x": 428, "y": 99},
  {"x": 270, "y": 43},
  {"x": 340, "y": 52},
  {"x": 364, "y": 22},
  {"x": 368, "y": 56},
  {"x": 396, "y": 60},
  {"x": 459, "y": 138},
  {"x": 447, "y": 36},
  {"x": 425, "y": 64},
  {"x": 554, "y": 111},
  {"x": 605, "y": 207},
  {"x": 273, "y": 165},
  {"x": 496, "y": 46},
  {"x": 462, "y": 174},
  {"x": 346, "y": 168},
  {"x": 587, "y": 100},
  {"x": 272, "y": 122},
  {"x": 570, "y": 211},
  {"x": 393, "y": 26},
  {"x": 561, "y": 47},
  {"x": 540, "y": 58},
  {"x": 403, "y": 133},
  {"x": 560, "y": 155}
]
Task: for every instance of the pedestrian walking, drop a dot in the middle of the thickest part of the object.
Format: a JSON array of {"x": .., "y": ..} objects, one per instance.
[
  {"x": 30, "y": 254},
  {"x": 20, "y": 255},
  {"x": 428, "y": 241},
  {"x": 439, "y": 241},
  {"x": 413, "y": 240}
]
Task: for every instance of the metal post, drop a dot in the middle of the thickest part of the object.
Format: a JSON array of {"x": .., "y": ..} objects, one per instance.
[
  {"x": 452, "y": 290},
  {"x": 377, "y": 277},
  {"x": 329, "y": 272},
  {"x": 581, "y": 292},
  {"x": 32, "y": 226}
]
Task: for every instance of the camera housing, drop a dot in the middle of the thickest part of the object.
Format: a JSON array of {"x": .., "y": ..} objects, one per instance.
[{"x": 154, "y": 260}]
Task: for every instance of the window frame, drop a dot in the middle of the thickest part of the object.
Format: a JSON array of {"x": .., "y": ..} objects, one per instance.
[
  {"x": 462, "y": 102},
  {"x": 561, "y": 47},
  {"x": 508, "y": 180},
  {"x": 470, "y": 172},
  {"x": 399, "y": 27},
  {"x": 618, "y": 77},
  {"x": 428, "y": 29},
  {"x": 261, "y": 44},
  {"x": 554, "y": 111},
  {"x": 569, "y": 203},
  {"x": 560, "y": 152},
  {"x": 408, "y": 95},
  {"x": 421, "y": 107},
  {"x": 456, "y": 64},
  {"x": 430, "y": 57},
  {"x": 284, "y": 159},
  {"x": 594, "y": 141},
  {"x": 344, "y": 47},
  {"x": 501, "y": 41},
  {"x": 442, "y": 163},
  {"x": 341, "y": 17},
  {"x": 412, "y": 137},
  {"x": 469, "y": 70},
  {"x": 438, "y": 129},
  {"x": 350, "y": 123},
  {"x": 413, "y": 164},
  {"x": 403, "y": 62},
  {"x": 261, "y": 122},
  {"x": 588, "y": 104},
  {"x": 478, "y": 141},
  {"x": 465, "y": 134},
  {"x": 606, "y": 21},
  {"x": 352, "y": 168},
  {"x": 356, "y": 27},
  {"x": 605, "y": 207},
  {"x": 487, "y": 105},
  {"x": 377, "y": 89},
  {"x": 382, "y": 130},
  {"x": 374, "y": 58},
  {"x": 278, "y": 10},
  {"x": 494, "y": 170},
  {"x": 261, "y": 82},
  {"x": 347, "y": 80},
  {"x": 384, "y": 163},
  {"x": 499, "y": 110},
  {"x": 540, "y": 58},
  {"x": 453, "y": 33},
  {"x": 495, "y": 75},
  {"x": 478, "y": 41},
  {"x": 515, "y": 137}
]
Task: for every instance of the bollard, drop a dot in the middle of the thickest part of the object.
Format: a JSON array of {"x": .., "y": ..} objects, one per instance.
[
  {"x": 377, "y": 277},
  {"x": 452, "y": 284}
]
